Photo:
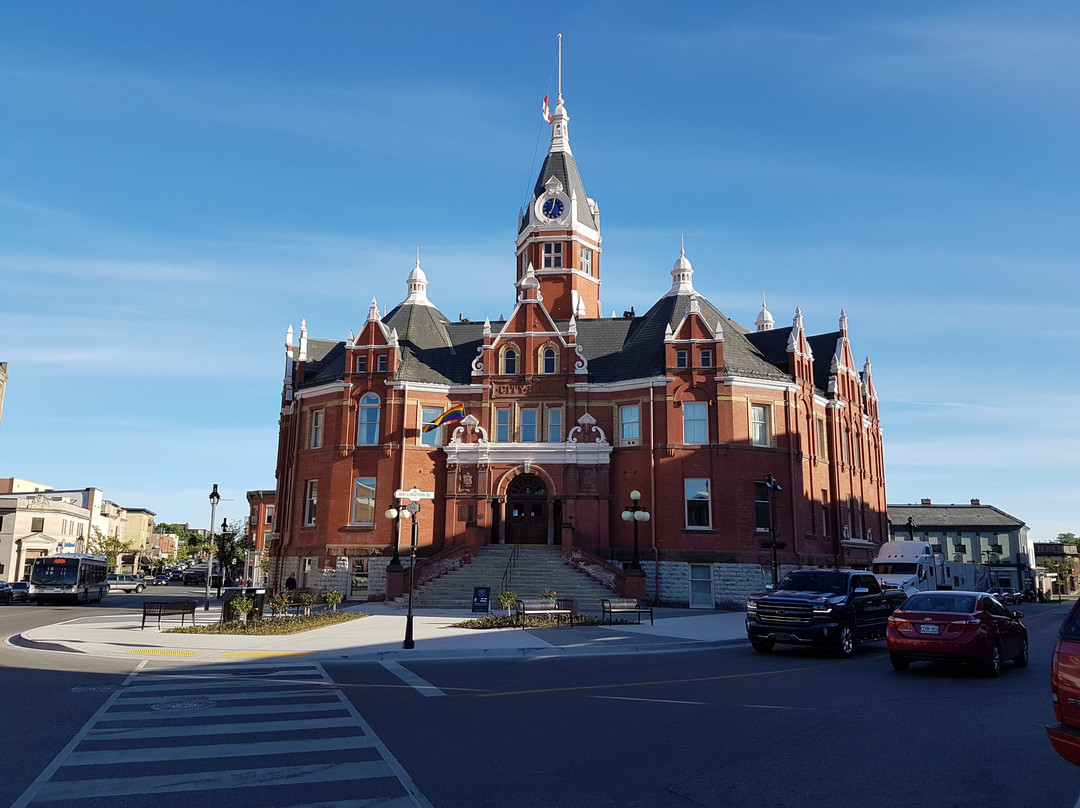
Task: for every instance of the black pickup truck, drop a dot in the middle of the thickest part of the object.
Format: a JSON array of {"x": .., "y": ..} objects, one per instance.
[{"x": 831, "y": 608}]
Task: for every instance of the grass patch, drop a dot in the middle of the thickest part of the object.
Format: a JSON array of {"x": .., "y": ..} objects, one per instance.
[
  {"x": 266, "y": 626},
  {"x": 533, "y": 621}
]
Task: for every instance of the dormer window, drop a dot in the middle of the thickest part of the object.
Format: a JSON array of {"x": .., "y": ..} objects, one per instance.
[
  {"x": 548, "y": 360},
  {"x": 706, "y": 358},
  {"x": 680, "y": 359},
  {"x": 553, "y": 255},
  {"x": 381, "y": 363},
  {"x": 361, "y": 364}
]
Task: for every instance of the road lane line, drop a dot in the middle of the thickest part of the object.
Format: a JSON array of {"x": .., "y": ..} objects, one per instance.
[
  {"x": 423, "y": 687},
  {"x": 654, "y": 701}
]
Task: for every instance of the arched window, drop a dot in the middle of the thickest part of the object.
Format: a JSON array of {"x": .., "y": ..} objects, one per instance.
[
  {"x": 367, "y": 433},
  {"x": 547, "y": 360},
  {"x": 510, "y": 358}
]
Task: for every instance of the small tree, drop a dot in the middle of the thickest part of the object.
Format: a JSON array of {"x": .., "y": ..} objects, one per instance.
[
  {"x": 112, "y": 547},
  {"x": 334, "y": 598},
  {"x": 506, "y": 600}
]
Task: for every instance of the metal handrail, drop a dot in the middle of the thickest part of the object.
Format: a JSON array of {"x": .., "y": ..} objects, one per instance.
[{"x": 508, "y": 573}]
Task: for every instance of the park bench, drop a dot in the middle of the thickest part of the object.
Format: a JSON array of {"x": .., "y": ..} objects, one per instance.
[
  {"x": 545, "y": 606},
  {"x": 610, "y": 607},
  {"x": 157, "y": 608}
]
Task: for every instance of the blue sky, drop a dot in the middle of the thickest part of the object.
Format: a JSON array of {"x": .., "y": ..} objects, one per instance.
[{"x": 181, "y": 181}]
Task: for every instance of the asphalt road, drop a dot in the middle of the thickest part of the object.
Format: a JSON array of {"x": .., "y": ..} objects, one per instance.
[{"x": 726, "y": 727}]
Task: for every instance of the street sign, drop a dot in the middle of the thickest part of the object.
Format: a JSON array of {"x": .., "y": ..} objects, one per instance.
[{"x": 414, "y": 494}]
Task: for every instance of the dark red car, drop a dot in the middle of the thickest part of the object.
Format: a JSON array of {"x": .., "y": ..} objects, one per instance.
[
  {"x": 1065, "y": 688},
  {"x": 950, "y": 626}
]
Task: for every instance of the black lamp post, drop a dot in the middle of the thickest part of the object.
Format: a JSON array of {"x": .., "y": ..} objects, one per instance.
[
  {"x": 393, "y": 513},
  {"x": 774, "y": 488},
  {"x": 635, "y": 513},
  {"x": 410, "y": 511},
  {"x": 215, "y": 498}
]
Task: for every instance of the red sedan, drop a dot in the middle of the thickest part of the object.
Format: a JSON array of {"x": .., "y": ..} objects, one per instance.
[
  {"x": 1065, "y": 688},
  {"x": 950, "y": 626}
]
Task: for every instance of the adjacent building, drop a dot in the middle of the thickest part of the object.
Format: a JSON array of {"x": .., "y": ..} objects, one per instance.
[
  {"x": 259, "y": 525},
  {"x": 739, "y": 442},
  {"x": 971, "y": 534},
  {"x": 1058, "y": 567}
]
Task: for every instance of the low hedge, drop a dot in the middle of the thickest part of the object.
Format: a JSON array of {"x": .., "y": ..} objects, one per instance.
[{"x": 270, "y": 625}]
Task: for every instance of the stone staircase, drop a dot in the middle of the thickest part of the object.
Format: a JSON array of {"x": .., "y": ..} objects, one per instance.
[{"x": 537, "y": 568}]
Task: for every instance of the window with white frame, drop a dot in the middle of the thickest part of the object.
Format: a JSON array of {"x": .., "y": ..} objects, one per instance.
[
  {"x": 431, "y": 437},
  {"x": 553, "y": 255},
  {"x": 680, "y": 359},
  {"x": 697, "y": 499},
  {"x": 381, "y": 363},
  {"x": 760, "y": 433},
  {"x": 695, "y": 422},
  {"x": 502, "y": 425},
  {"x": 363, "y": 504},
  {"x": 548, "y": 361},
  {"x": 586, "y": 260},
  {"x": 311, "y": 500},
  {"x": 368, "y": 432},
  {"x": 706, "y": 357},
  {"x": 316, "y": 429},
  {"x": 822, "y": 440},
  {"x": 629, "y": 425},
  {"x": 528, "y": 424},
  {"x": 361, "y": 364},
  {"x": 269, "y": 514},
  {"x": 554, "y": 424},
  {"x": 509, "y": 361}
]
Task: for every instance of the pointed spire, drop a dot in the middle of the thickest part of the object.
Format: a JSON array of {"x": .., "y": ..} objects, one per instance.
[
  {"x": 289, "y": 337},
  {"x": 373, "y": 311},
  {"x": 682, "y": 275},
  {"x": 417, "y": 284},
  {"x": 303, "y": 341},
  {"x": 764, "y": 321},
  {"x": 560, "y": 118},
  {"x": 843, "y": 322}
]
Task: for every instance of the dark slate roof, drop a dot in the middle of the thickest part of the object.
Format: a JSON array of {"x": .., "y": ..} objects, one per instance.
[
  {"x": 564, "y": 167},
  {"x": 773, "y": 346},
  {"x": 824, "y": 349},
  {"x": 953, "y": 517},
  {"x": 437, "y": 351}
]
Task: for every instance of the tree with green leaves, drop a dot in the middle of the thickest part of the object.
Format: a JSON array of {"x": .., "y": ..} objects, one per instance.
[
  {"x": 112, "y": 547},
  {"x": 1068, "y": 538},
  {"x": 230, "y": 545}
]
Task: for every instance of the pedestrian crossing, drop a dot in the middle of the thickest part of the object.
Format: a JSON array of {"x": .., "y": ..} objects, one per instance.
[{"x": 277, "y": 735}]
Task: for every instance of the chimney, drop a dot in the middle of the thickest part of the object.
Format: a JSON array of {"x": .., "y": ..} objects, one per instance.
[
  {"x": 925, "y": 502},
  {"x": 975, "y": 503}
]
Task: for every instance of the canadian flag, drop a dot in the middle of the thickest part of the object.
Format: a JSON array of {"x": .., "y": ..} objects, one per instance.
[{"x": 546, "y": 111}]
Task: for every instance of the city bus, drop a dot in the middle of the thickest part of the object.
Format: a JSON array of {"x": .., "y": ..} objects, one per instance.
[{"x": 75, "y": 576}]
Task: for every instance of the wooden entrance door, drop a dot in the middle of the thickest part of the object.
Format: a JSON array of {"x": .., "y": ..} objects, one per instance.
[{"x": 527, "y": 511}]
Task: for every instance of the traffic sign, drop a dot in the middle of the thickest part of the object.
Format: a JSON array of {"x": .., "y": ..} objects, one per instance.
[{"x": 413, "y": 494}]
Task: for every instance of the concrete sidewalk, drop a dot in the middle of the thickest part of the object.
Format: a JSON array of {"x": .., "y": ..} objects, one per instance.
[{"x": 379, "y": 636}]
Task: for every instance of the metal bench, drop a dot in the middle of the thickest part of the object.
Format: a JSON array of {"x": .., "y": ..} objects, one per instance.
[
  {"x": 609, "y": 608},
  {"x": 157, "y": 608},
  {"x": 548, "y": 607}
]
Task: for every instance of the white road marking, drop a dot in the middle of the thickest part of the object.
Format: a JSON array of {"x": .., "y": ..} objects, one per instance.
[
  {"x": 411, "y": 679},
  {"x": 655, "y": 701}
]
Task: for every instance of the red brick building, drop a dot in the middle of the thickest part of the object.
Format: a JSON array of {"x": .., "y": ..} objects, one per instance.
[
  {"x": 260, "y": 523},
  {"x": 567, "y": 412}
]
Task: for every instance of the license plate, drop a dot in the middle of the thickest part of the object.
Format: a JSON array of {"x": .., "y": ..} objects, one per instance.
[
  {"x": 928, "y": 629},
  {"x": 782, "y": 636}
]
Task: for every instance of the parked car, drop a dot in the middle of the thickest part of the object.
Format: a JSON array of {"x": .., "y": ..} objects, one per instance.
[
  {"x": 1006, "y": 595},
  {"x": 125, "y": 583},
  {"x": 974, "y": 628},
  {"x": 1065, "y": 688},
  {"x": 20, "y": 591},
  {"x": 195, "y": 578},
  {"x": 6, "y": 593}
]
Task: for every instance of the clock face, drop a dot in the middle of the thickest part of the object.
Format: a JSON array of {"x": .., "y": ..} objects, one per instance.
[{"x": 553, "y": 208}]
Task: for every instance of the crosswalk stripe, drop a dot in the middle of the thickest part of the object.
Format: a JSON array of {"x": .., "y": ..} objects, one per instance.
[
  {"x": 110, "y": 733},
  {"x": 265, "y": 695},
  {"x": 232, "y": 712},
  {"x": 213, "y": 781},
  {"x": 294, "y": 748}
]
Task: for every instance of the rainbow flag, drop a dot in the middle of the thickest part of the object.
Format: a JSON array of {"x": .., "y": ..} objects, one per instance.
[{"x": 455, "y": 413}]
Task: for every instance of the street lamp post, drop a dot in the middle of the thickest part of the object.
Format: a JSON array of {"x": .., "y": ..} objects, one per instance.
[
  {"x": 774, "y": 488},
  {"x": 635, "y": 513},
  {"x": 410, "y": 511},
  {"x": 215, "y": 498}
]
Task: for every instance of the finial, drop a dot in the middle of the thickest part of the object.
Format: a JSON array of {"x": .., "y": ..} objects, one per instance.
[{"x": 559, "y": 99}]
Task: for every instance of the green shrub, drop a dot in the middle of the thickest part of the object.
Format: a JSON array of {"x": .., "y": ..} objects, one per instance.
[
  {"x": 270, "y": 626},
  {"x": 240, "y": 606},
  {"x": 335, "y": 598}
]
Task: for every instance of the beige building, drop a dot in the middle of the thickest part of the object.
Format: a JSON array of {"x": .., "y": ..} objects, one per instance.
[
  {"x": 139, "y": 534},
  {"x": 41, "y": 523}
]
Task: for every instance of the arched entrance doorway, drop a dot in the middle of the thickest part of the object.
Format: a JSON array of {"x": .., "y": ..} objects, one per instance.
[{"x": 527, "y": 511}]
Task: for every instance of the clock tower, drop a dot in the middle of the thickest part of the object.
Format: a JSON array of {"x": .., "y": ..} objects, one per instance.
[{"x": 559, "y": 231}]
